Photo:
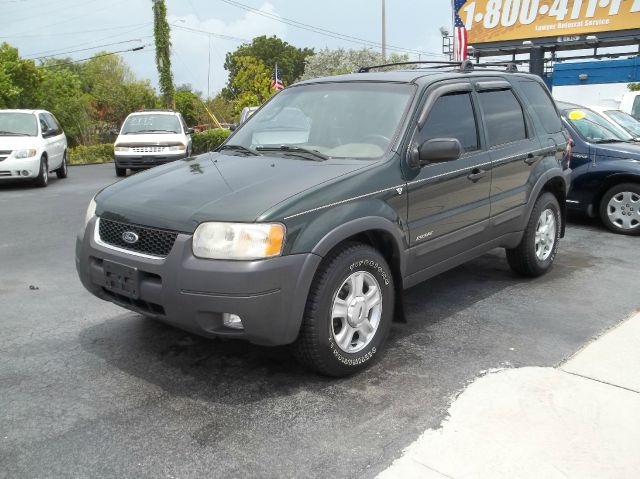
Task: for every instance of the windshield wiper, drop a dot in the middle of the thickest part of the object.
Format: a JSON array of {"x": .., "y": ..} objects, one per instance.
[
  {"x": 149, "y": 131},
  {"x": 11, "y": 133},
  {"x": 611, "y": 140},
  {"x": 295, "y": 149},
  {"x": 239, "y": 148}
]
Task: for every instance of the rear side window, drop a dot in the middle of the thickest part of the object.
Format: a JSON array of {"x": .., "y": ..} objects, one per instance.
[
  {"x": 538, "y": 99},
  {"x": 635, "y": 110},
  {"x": 452, "y": 116},
  {"x": 503, "y": 116}
]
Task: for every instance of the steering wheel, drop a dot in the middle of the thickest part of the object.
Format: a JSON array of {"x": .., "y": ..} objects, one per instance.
[{"x": 380, "y": 140}]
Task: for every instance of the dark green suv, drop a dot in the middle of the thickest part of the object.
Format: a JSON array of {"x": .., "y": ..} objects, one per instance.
[{"x": 307, "y": 224}]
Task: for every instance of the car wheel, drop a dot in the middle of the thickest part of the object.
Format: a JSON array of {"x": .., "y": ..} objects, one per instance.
[
  {"x": 620, "y": 209},
  {"x": 42, "y": 179},
  {"x": 62, "y": 171},
  {"x": 121, "y": 171},
  {"x": 535, "y": 254},
  {"x": 348, "y": 313}
]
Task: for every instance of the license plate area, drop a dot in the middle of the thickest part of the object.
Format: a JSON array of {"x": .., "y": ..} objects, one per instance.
[{"x": 121, "y": 279}]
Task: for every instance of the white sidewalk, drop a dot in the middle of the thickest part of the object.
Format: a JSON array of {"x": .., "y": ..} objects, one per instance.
[{"x": 580, "y": 420}]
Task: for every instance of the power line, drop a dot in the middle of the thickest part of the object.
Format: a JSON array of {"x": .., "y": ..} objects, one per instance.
[
  {"x": 205, "y": 32},
  {"x": 91, "y": 48},
  {"x": 323, "y": 31},
  {"x": 135, "y": 49},
  {"x": 60, "y": 34}
]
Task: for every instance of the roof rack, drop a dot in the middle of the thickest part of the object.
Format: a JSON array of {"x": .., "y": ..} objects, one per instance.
[
  {"x": 464, "y": 66},
  {"x": 167, "y": 110}
]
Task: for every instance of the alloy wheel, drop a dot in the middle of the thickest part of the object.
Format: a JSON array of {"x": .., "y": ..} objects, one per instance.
[
  {"x": 545, "y": 234},
  {"x": 623, "y": 210}
]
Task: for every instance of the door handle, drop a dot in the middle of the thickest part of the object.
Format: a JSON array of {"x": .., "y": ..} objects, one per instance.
[
  {"x": 476, "y": 174},
  {"x": 530, "y": 159}
]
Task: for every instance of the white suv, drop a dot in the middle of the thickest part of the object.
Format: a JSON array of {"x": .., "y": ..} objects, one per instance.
[
  {"x": 150, "y": 138},
  {"x": 32, "y": 144}
]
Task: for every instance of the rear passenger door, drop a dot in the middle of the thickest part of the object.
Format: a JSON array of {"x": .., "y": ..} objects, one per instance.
[
  {"x": 512, "y": 143},
  {"x": 448, "y": 207},
  {"x": 54, "y": 138}
]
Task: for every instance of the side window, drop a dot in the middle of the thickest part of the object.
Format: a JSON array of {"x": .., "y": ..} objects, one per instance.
[
  {"x": 53, "y": 124},
  {"x": 44, "y": 126},
  {"x": 503, "y": 116},
  {"x": 540, "y": 101},
  {"x": 452, "y": 116},
  {"x": 635, "y": 110}
]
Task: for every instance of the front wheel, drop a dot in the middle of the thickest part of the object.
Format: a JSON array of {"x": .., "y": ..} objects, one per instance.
[
  {"x": 42, "y": 179},
  {"x": 120, "y": 172},
  {"x": 349, "y": 311},
  {"x": 535, "y": 254},
  {"x": 620, "y": 209}
]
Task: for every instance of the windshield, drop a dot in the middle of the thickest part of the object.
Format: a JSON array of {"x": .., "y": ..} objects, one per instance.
[
  {"x": 625, "y": 120},
  {"x": 595, "y": 127},
  {"x": 151, "y": 124},
  {"x": 18, "y": 124},
  {"x": 337, "y": 120}
]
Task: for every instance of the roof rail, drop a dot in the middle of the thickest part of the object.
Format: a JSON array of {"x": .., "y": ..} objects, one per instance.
[
  {"x": 465, "y": 66},
  {"x": 168, "y": 110}
]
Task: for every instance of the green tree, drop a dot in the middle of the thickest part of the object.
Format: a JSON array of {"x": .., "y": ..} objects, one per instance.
[
  {"x": 252, "y": 82},
  {"x": 189, "y": 104},
  {"x": 339, "y": 62},
  {"x": 633, "y": 86},
  {"x": 269, "y": 50},
  {"x": 222, "y": 108},
  {"x": 19, "y": 80},
  {"x": 162, "y": 34}
]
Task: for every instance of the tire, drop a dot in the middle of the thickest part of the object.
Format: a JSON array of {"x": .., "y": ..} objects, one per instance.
[
  {"x": 535, "y": 254},
  {"x": 120, "y": 172},
  {"x": 335, "y": 345},
  {"x": 42, "y": 179},
  {"x": 62, "y": 171},
  {"x": 620, "y": 209}
]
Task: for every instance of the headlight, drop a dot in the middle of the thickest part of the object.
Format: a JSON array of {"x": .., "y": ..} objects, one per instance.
[
  {"x": 121, "y": 148},
  {"x": 238, "y": 240},
  {"x": 91, "y": 212},
  {"x": 24, "y": 153},
  {"x": 179, "y": 147}
]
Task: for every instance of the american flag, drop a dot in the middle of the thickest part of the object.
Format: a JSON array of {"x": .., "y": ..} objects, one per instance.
[
  {"x": 276, "y": 81},
  {"x": 461, "y": 36}
]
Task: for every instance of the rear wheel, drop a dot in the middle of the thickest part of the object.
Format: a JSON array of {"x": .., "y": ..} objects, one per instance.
[
  {"x": 62, "y": 171},
  {"x": 42, "y": 179},
  {"x": 620, "y": 209},
  {"x": 535, "y": 254},
  {"x": 121, "y": 171},
  {"x": 349, "y": 311}
]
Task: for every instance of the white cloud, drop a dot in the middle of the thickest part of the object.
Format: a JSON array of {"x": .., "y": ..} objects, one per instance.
[{"x": 191, "y": 49}]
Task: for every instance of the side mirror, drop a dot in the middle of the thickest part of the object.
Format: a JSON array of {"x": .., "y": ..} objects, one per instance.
[
  {"x": 233, "y": 127},
  {"x": 113, "y": 132},
  {"x": 437, "y": 150},
  {"x": 190, "y": 131}
]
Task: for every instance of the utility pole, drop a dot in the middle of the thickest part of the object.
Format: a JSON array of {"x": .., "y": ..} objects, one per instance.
[
  {"x": 384, "y": 32},
  {"x": 162, "y": 34}
]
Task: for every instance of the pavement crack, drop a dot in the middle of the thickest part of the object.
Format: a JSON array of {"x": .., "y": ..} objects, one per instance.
[{"x": 599, "y": 381}]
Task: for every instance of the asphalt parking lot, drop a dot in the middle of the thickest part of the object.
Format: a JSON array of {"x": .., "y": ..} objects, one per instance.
[{"x": 91, "y": 390}]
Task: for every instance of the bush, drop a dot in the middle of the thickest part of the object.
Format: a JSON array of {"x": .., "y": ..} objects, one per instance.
[
  {"x": 82, "y": 155},
  {"x": 208, "y": 140}
]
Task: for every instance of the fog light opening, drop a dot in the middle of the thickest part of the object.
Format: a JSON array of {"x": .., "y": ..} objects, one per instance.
[
  {"x": 25, "y": 173},
  {"x": 232, "y": 321}
]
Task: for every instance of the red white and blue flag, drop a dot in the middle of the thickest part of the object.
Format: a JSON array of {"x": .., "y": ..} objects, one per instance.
[
  {"x": 460, "y": 33},
  {"x": 276, "y": 81}
]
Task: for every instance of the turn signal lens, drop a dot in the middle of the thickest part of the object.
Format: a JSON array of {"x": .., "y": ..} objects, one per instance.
[{"x": 238, "y": 241}]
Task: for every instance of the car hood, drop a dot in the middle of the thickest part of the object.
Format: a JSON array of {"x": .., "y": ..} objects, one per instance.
[
  {"x": 19, "y": 142},
  {"x": 619, "y": 150},
  {"x": 149, "y": 139},
  {"x": 214, "y": 187}
]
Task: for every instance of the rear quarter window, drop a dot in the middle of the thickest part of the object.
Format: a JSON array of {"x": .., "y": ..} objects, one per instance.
[{"x": 541, "y": 103}]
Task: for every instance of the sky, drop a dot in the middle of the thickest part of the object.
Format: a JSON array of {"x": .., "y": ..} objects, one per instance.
[{"x": 77, "y": 29}]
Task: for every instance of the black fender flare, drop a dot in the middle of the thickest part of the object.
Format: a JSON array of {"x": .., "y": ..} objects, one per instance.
[{"x": 564, "y": 176}]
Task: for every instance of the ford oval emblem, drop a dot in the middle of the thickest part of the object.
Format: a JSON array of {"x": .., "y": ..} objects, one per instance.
[{"x": 130, "y": 237}]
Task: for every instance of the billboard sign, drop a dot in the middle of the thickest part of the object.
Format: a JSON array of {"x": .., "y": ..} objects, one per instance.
[{"x": 490, "y": 21}]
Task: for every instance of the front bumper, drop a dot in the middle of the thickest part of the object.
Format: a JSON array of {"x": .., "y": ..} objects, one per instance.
[
  {"x": 135, "y": 162},
  {"x": 192, "y": 294},
  {"x": 13, "y": 168}
]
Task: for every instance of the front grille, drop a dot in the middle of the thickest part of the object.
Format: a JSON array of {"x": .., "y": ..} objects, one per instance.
[
  {"x": 148, "y": 149},
  {"x": 151, "y": 241},
  {"x": 4, "y": 154},
  {"x": 5, "y": 173}
]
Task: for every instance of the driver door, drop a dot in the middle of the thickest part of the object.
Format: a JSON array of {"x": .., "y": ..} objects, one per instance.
[{"x": 449, "y": 203}]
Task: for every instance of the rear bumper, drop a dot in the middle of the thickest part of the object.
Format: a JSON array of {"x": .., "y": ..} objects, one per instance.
[
  {"x": 192, "y": 293},
  {"x": 145, "y": 161}
]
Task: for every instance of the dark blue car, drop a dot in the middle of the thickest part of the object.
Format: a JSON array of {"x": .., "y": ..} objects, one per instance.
[{"x": 606, "y": 170}]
